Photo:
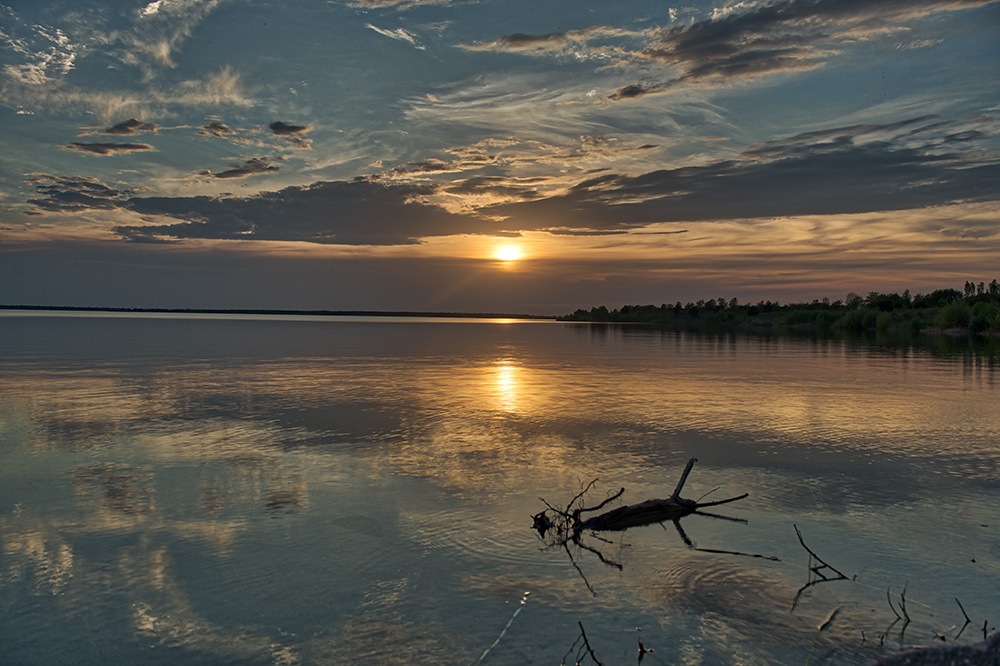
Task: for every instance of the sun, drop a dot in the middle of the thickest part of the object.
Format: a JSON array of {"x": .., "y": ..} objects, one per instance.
[{"x": 507, "y": 253}]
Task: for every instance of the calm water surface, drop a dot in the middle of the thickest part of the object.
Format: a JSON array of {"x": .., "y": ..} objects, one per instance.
[{"x": 234, "y": 490}]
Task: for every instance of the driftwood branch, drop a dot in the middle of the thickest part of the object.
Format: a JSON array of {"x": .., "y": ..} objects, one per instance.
[
  {"x": 565, "y": 525},
  {"x": 650, "y": 511}
]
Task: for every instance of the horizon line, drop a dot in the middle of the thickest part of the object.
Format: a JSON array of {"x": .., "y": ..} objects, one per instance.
[{"x": 278, "y": 311}]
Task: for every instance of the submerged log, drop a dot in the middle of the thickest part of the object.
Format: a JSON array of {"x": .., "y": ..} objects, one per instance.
[
  {"x": 649, "y": 511},
  {"x": 643, "y": 513}
]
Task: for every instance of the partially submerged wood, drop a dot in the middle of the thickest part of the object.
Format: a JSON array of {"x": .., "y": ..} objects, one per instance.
[
  {"x": 559, "y": 527},
  {"x": 643, "y": 513},
  {"x": 632, "y": 515},
  {"x": 652, "y": 510}
]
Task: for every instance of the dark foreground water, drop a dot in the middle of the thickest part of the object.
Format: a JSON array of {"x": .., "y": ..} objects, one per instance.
[{"x": 264, "y": 491}]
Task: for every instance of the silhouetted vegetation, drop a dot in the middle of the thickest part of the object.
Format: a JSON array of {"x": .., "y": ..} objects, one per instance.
[{"x": 975, "y": 309}]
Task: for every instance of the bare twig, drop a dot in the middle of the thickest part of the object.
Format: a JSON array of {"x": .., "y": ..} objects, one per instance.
[
  {"x": 721, "y": 517},
  {"x": 965, "y": 615},
  {"x": 600, "y": 555},
  {"x": 602, "y": 504},
  {"x": 725, "y": 501},
  {"x": 586, "y": 643},
  {"x": 554, "y": 509},
  {"x": 817, "y": 572},
  {"x": 581, "y": 493},
  {"x": 583, "y": 649},
  {"x": 902, "y": 603},
  {"x": 576, "y": 566},
  {"x": 707, "y": 494},
  {"x": 893, "y": 608},
  {"x": 904, "y": 618}
]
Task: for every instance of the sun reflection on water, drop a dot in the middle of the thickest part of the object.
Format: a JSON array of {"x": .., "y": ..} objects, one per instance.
[{"x": 507, "y": 383}]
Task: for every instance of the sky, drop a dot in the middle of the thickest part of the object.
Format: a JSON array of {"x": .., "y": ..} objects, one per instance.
[{"x": 494, "y": 155}]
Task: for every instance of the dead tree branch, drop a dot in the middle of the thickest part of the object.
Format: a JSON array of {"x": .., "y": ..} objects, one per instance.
[{"x": 564, "y": 525}]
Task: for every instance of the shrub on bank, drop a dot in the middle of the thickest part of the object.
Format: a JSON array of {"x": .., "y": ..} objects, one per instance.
[{"x": 954, "y": 315}]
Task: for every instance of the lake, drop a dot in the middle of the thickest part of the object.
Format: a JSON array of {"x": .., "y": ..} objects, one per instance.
[{"x": 224, "y": 489}]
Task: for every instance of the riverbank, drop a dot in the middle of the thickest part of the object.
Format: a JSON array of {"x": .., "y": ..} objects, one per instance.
[{"x": 974, "y": 312}]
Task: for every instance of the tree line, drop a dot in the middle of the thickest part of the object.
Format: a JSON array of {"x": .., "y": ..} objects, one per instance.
[{"x": 975, "y": 308}]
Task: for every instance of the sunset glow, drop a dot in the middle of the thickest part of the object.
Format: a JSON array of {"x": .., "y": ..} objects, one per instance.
[
  {"x": 511, "y": 157},
  {"x": 507, "y": 253}
]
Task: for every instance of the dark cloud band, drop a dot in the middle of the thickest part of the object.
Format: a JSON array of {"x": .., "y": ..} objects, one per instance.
[{"x": 106, "y": 148}]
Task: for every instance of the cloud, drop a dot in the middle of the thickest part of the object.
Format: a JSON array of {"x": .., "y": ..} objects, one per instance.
[
  {"x": 36, "y": 54},
  {"x": 75, "y": 193},
  {"x": 107, "y": 148},
  {"x": 591, "y": 43},
  {"x": 635, "y": 90},
  {"x": 131, "y": 127},
  {"x": 285, "y": 129},
  {"x": 224, "y": 88},
  {"x": 216, "y": 128},
  {"x": 42, "y": 55},
  {"x": 740, "y": 41},
  {"x": 748, "y": 40},
  {"x": 831, "y": 172},
  {"x": 292, "y": 133},
  {"x": 358, "y": 212},
  {"x": 863, "y": 168},
  {"x": 427, "y": 167},
  {"x": 396, "y": 4},
  {"x": 399, "y": 34},
  {"x": 252, "y": 167},
  {"x": 836, "y": 137},
  {"x": 494, "y": 186},
  {"x": 159, "y": 30}
]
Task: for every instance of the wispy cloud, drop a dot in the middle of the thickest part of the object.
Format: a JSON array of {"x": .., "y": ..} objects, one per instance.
[
  {"x": 396, "y": 4},
  {"x": 399, "y": 34},
  {"x": 45, "y": 53},
  {"x": 215, "y": 91},
  {"x": 594, "y": 43},
  {"x": 160, "y": 29}
]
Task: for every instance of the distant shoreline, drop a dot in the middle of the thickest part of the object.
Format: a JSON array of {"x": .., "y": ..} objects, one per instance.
[{"x": 253, "y": 311}]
